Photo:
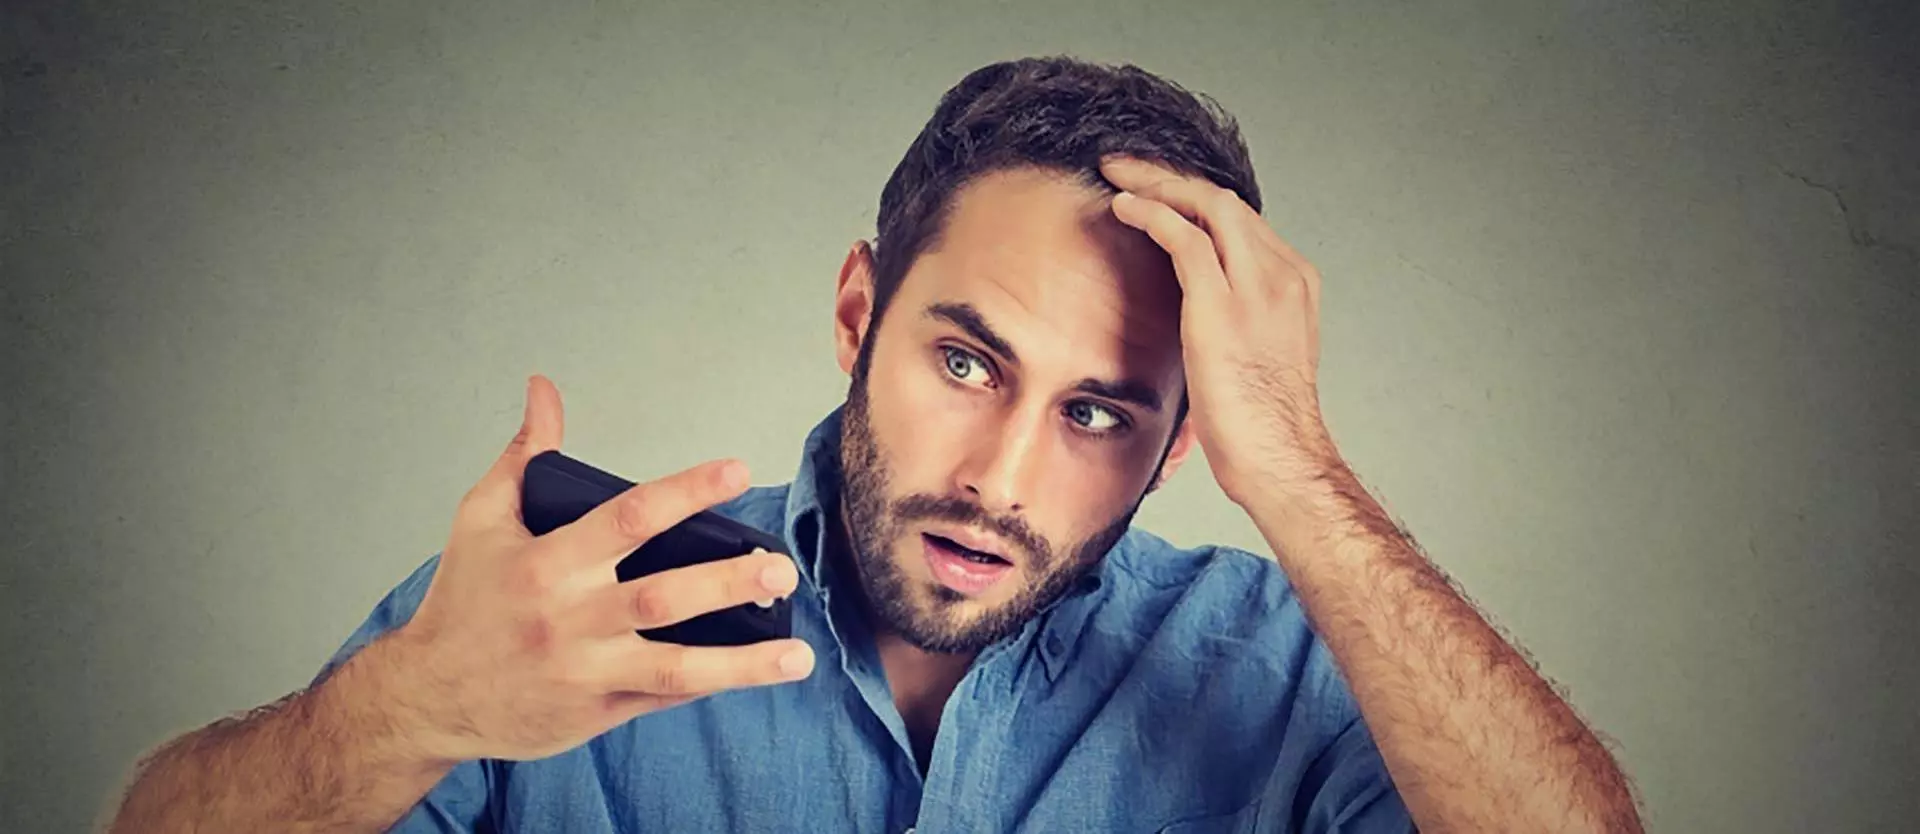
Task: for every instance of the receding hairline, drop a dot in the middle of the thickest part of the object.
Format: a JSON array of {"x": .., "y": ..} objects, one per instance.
[{"x": 1087, "y": 179}]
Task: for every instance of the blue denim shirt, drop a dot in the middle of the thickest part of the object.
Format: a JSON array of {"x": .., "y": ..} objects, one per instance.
[{"x": 1173, "y": 690}]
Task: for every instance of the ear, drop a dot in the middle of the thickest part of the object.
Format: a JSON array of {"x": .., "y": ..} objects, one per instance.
[
  {"x": 853, "y": 305},
  {"x": 1183, "y": 443}
]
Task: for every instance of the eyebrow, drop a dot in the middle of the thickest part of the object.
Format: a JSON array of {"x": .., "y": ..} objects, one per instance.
[
  {"x": 965, "y": 317},
  {"x": 1126, "y": 391}
]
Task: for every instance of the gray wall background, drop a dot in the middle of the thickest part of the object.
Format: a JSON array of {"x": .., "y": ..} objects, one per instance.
[{"x": 1619, "y": 319}]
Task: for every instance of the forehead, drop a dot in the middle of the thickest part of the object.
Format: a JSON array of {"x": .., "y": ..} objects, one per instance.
[{"x": 1042, "y": 258}]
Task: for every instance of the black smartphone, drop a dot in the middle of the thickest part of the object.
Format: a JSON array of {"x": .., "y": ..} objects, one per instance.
[{"x": 557, "y": 490}]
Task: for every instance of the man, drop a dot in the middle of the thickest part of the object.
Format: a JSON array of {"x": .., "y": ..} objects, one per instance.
[{"x": 1070, "y": 289}]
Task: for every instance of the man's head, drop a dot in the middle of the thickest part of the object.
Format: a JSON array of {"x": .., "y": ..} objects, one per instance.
[{"x": 1026, "y": 391}]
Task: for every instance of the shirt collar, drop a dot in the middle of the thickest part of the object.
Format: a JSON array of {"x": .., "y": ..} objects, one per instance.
[
  {"x": 815, "y": 488},
  {"x": 813, "y": 503}
]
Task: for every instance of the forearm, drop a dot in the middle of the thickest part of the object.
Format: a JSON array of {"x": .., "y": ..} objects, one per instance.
[
  {"x": 1474, "y": 738},
  {"x": 341, "y": 756}
]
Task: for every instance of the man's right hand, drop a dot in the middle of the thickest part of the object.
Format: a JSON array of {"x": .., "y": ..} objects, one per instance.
[{"x": 525, "y": 647}]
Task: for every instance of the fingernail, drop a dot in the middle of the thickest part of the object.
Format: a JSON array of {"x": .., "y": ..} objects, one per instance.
[{"x": 797, "y": 662}]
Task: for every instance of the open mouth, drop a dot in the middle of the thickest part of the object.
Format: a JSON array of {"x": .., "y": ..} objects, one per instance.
[
  {"x": 975, "y": 556},
  {"x": 961, "y": 569}
]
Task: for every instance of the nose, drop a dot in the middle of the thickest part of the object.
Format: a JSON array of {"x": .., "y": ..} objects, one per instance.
[{"x": 1001, "y": 469}]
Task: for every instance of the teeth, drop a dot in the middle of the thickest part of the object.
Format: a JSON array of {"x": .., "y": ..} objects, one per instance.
[
  {"x": 982, "y": 558},
  {"x": 969, "y": 555}
]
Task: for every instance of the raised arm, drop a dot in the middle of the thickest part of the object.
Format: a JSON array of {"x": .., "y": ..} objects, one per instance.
[
  {"x": 522, "y": 647},
  {"x": 1474, "y": 738}
]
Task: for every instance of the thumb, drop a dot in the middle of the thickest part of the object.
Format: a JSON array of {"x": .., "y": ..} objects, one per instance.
[{"x": 542, "y": 426}]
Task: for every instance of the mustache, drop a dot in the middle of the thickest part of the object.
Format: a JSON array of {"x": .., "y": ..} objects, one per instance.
[{"x": 957, "y": 511}]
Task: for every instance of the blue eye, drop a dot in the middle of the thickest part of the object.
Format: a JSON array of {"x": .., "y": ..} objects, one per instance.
[
  {"x": 960, "y": 362},
  {"x": 1086, "y": 414}
]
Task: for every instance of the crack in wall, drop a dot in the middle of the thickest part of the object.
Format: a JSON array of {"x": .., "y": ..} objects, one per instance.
[{"x": 1857, "y": 233}]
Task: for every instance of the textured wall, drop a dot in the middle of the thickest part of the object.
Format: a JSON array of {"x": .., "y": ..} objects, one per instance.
[{"x": 1619, "y": 318}]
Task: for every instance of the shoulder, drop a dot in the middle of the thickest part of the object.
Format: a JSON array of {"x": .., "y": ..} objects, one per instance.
[
  {"x": 1220, "y": 632},
  {"x": 1227, "y": 608},
  {"x": 1231, "y": 583}
]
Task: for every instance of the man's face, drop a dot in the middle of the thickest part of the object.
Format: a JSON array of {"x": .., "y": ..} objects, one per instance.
[{"x": 1010, "y": 410}]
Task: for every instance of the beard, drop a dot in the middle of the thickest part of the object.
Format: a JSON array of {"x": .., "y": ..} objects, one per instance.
[{"x": 874, "y": 522}]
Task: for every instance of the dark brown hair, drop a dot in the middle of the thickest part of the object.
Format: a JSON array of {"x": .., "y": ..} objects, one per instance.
[{"x": 1056, "y": 113}]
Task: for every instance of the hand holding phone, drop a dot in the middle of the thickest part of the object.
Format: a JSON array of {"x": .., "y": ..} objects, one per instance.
[
  {"x": 558, "y": 490},
  {"x": 525, "y": 644}
]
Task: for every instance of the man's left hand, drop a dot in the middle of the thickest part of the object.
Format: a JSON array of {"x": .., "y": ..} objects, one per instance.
[
  {"x": 1473, "y": 736},
  {"x": 1249, "y": 328}
]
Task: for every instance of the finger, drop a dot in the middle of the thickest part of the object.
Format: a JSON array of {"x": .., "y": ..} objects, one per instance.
[
  {"x": 672, "y": 670},
  {"x": 1195, "y": 197},
  {"x": 680, "y": 594},
  {"x": 1312, "y": 278},
  {"x": 1233, "y": 227},
  {"x": 542, "y": 426},
  {"x": 1298, "y": 263},
  {"x": 622, "y": 707},
  {"x": 614, "y": 528},
  {"x": 1195, "y": 263}
]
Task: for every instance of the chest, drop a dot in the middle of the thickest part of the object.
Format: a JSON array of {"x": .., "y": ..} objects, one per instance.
[{"x": 1135, "y": 749}]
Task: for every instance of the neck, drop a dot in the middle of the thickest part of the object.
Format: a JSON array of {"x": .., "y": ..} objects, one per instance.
[
  {"x": 921, "y": 682},
  {"x": 912, "y": 668}
]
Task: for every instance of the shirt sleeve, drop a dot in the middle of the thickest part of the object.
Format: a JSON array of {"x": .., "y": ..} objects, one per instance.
[
  {"x": 1347, "y": 790},
  {"x": 460, "y": 802},
  {"x": 1331, "y": 779},
  {"x": 391, "y": 612}
]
